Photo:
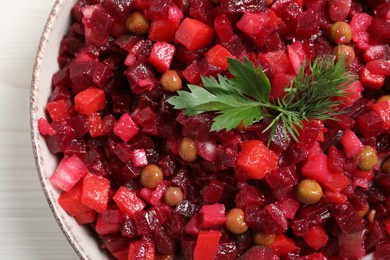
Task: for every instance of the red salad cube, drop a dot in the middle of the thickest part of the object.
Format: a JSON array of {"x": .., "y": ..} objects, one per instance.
[
  {"x": 371, "y": 81},
  {"x": 353, "y": 92},
  {"x": 218, "y": 56},
  {"x": 70, "y": 201},
  {"x": 260, "y": 253},
  {"x": 370, "y": 124},
  {"x": 138, "y": 157},
  {"x": 255, "y": 159},
  {"x": 338, "y": 9},
  {"x": 45, "y": 128},
  {"x": 316, "y": 167},
  {"x": 316, "y": 237},
  {"x": 245, "y": 6},
  {"x": 103, "y": 227},
  {"x": 351, "y": 143},
  {"x": 128, "y": 202},
  {"x": 89, "y": 101},
  {"x": 207, "y": 244},
  {"x": 86, "y": 217},
  {"x": 58, "y": 110},
  {"x": 95, "y": 192},
  {"x": 352, "y": 244},
  {"x": 69, "y": 171},
  {"x": 283, "y": 245},
  {"x": 379, "y": 67},
  {"x": 194, "y": 34},
  {"x": 307, "y": 24},
  {"x": 213, "y": 215},
  {"x": 125, "y": 128},
  {"x": 97, "y": 23},
  {"x": 252, "y": 23},
  {"x": 162, "y": 55},
  {"x": 141, "y": 250},
  {"x": 383, "y": 110},
  {"x": 163, "y": 30}
]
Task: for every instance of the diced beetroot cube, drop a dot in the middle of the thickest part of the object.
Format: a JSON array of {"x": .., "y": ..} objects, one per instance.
[
  {"x": 165, "y": 244},
  {"x": 201, "y": 10},
  {"x": 97, "y": 23},
  {"x": 163, "y": 30},
  {"x": 95, "y": 192},
  {"x": 146, "y": 222},
  {"x": 279, "y": 82},
  {"x": 260, "y": 253},
  {"x": 370, "y": 124},
  {"x": 140, "y": 72},
  {"x": 316, "y": 237},
  {"x": 252, "y": 23},
  {"x": 218, "y": 56},
  {"x": 128, "y": 202},
  {"x": 95, "y": 125},
  {"x": 103, "y": 228},
  {"x": 338, "y": 9},
  {"x": 338, "y": 182},
  {"x": 141, "y": 250},
  {"x": 255, "y": 159},
  {"x": 383, "y": 110},
  {"x": 376, "y": 52},
  {"x": 371, "y": 81},
  {"x": 213, "y": 215},
  {"x": 194, "y": 34},
  {"x": 273, "y": 220},
  {"x": 352, "y": 244},
  {"x": 213, "y": 191},
  {"x": 316, "y": 167},
  {"x": 309, "y": 134},
  {"x": 223, "y": 28},
  {"x": 283, "y": 245},
  {"x": 86, "y": 217},
  {"x": 279, "y": 60},
  {"x": 194, "y": 225},
  {"x": 158, "y": 193},
  {"x": 207, "y": 244},
  {"x": 380, "y": 30},
  {"x": 58, "y": 110},
  {"x": 71, "y": 201},
  {"x": 89, "y": 101},
  {"x": 289, "y": 207},
  {"x": 245, "y": 6},
  {"x": 146, "y": 194},
  {"x": 351, "y": 144},
  {"x": 379, "y": 67},
  {"x": 382, "y": 250},
  {"x": 125, "y": 128},
  {"x": 113, "y": 216},
  {"x": 192, "y": 74},
  {"x": 281, "y": 178},
  {"x": 162, "y": 55},
  {"x": 253, "y": 217},
  {"x": 249, "y": 195},
  {"x": 227, "y": 250},
  {"x": 307, "y": 24},
  {"x": 69, "y": 171},
  {"x": 360, "y": 22},
  {"x": 353, "y": 92},
  {"x": 45, "y": 128},
  {"x": 207, "y": 149}
]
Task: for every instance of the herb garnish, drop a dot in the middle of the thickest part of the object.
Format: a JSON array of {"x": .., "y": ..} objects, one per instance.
[{"x": 245, "y": 98}]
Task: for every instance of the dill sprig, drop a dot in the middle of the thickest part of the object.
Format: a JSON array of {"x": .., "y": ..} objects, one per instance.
[{"x": 312, "y": 95}]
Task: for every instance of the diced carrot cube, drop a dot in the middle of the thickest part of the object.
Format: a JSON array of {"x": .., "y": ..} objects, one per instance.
[
  {"x": 59, "y": 110},
  {"x": 125, "y": 128},
  {"x": 69, "y": 171},
  {"x": 255, "y": 159},
  {"x": 316, "y": 237},
  {"x": 162, "y": 55},
  {"x": 194, "y": 34},
  {"x": 128, "y": 202},
  {"x": 207, "y": 244},
  {"x": 70, "y": 201},
  {"x": 282, "y": 246},
  {"x": 218, "y": 56},
  {"x": 163, "y": 30},
  {"x": 252, "y": 23},
  {"x": 89, "y": 101},
  {"x": 95, "y": 192},
  {"x": 86, "y": 217}
]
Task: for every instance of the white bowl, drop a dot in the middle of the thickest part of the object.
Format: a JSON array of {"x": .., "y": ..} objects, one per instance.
[{"x": 80, "y": 238}]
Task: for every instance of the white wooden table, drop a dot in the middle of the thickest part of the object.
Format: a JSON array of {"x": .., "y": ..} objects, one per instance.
[{"x": 27, "y": 228}]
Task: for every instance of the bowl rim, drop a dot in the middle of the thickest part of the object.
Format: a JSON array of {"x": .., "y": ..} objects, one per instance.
[{"x": 36, "y": 75}]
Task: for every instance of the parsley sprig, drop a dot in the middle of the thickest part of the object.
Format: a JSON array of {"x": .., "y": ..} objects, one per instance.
[{"x": 246, "y": 97}]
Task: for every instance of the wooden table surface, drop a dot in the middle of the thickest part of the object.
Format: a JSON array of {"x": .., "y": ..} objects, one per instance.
[{"x": 27, "y": 228}]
